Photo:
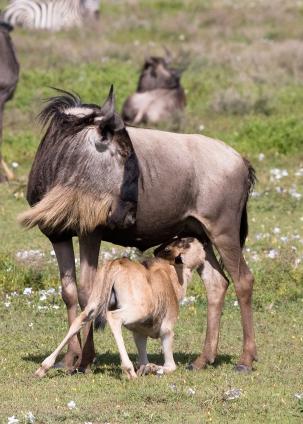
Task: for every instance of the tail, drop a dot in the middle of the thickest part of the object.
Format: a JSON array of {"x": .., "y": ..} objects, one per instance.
[
  {"x": 250, "y": 185},
  {"x": 68, "y": 208},
  {"x": 105, "y": 281}
]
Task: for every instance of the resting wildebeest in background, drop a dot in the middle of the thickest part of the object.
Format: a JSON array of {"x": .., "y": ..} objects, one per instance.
[
  {"x": 144, "y": 297},
  {"x": 159, "y": 94},
  {"x": 9, "y": 73},
  {"x": 94, "y": 178}
]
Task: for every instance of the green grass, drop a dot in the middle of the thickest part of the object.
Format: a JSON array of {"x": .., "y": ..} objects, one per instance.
[{"x": 244, "y": 85}]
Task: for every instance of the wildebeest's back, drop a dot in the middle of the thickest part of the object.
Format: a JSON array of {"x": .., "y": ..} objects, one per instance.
[{"x": 185, "y": 173}]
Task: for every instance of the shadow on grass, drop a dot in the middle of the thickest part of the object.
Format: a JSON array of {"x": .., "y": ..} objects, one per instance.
[{"x": 109, "y": 363}]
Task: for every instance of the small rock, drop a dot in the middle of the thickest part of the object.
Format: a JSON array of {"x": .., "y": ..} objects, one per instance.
[
  {"x": 30, "y": 419},
  {"x": 232, "y": 394},
  {"x": 173, "y": 387}
]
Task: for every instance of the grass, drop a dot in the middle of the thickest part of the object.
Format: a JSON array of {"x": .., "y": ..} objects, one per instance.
[{"x": 244, "y": 85}]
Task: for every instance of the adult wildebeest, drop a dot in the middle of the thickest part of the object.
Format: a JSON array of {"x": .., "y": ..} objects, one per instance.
[
  {"x": 144, "y": 297},
  {"x": 159, "y": 94},
  {"x": 97, "y": 179},
  {"x": 9, "y": 73}
]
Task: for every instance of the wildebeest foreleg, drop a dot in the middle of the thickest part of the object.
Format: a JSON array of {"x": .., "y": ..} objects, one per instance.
[
  {"x": 89, "y": 254},
  {"x": 5, "y": 172},
  {"x": 216, "y": 285},
  {"x": 233, "y": 259},
  {"x": 66, "y": 262}
]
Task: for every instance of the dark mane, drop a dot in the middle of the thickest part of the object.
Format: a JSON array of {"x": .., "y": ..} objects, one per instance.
[{"x": 56, "y": 105}]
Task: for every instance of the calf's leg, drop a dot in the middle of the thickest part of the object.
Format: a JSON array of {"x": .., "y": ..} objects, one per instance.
[
  {"x": 115, "y": 320},
  {"x": 216, "y": 285},
  {"x": 141, "y": 342},
  {"x": 66, "y": 262},
  {"x": 86, "y": 316},
  {"x": 167, "y": 340}
]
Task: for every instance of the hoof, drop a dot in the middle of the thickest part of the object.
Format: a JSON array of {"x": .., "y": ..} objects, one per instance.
[
  {"x": 193, "y": 367},
  {"x": 40, "y": 372},
  {"x": 149, "y": 369},
  {"x": 59, "y": 365},
  {"x": 243, "y": 369}
]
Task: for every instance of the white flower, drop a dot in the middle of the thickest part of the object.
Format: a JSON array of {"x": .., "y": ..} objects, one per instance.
[
  {"x": 188, "y": 301},
  {"x": 43, "y": 297},
  {"x": 201, "y": 127},
  {"x": 12, "y": 420},
  {"x": 30, "y": 325},
  {"x": 7, "y": 304},
  {"x": 30, "y": 417},
  {"x": 276, "y": 230},
  {"x": 261, "y": 157},
  {"x": 15, "y": 165},
  {"x": 272, "y": 254},
  {"x": 27, "y": 291},
  {"x": 236, "y": 303},
  {"x": 277, "y": 174},
  {"x": 191, "y": 392},
  {"x": 56, "y": 306},
  {"x": 71, "y": 404}
]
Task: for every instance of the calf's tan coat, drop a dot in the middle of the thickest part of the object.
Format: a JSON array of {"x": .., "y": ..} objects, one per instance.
[{"x": 147, "y": 302}]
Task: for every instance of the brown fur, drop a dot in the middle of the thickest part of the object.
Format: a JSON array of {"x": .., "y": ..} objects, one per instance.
[
  {"x": 148, "y": 296},
  {"x": 67, "y": 207}
]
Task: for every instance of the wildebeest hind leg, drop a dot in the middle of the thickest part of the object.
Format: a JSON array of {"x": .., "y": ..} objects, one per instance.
[
  {"x": 89, "y": 254},
  {"x": 231, "y": 253},
  {"x": 216, "y": 285},
  {"x": 66, "y": 262}
]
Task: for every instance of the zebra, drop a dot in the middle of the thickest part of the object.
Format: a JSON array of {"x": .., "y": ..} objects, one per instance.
[{"x": 51, "y": 15}]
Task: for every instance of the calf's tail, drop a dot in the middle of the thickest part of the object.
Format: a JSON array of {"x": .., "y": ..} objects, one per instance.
[{"x": 105, "y": 281}]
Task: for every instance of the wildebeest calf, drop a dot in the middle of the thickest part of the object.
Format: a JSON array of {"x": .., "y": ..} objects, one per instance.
[
  {"x": 144, "y": 297},
  {"x": 9, "y": 72},
  {"x": 159, "y": 94}
]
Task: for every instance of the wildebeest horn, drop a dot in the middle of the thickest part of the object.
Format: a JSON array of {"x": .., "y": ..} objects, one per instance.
[
  {"x": 108, "y": 108},
  {"x": 168, "y": 55}
]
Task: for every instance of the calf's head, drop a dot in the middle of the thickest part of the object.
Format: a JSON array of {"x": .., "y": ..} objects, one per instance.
[
  {"x": 186, "y": 251},
  {"x": 156, "y": 73}
]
